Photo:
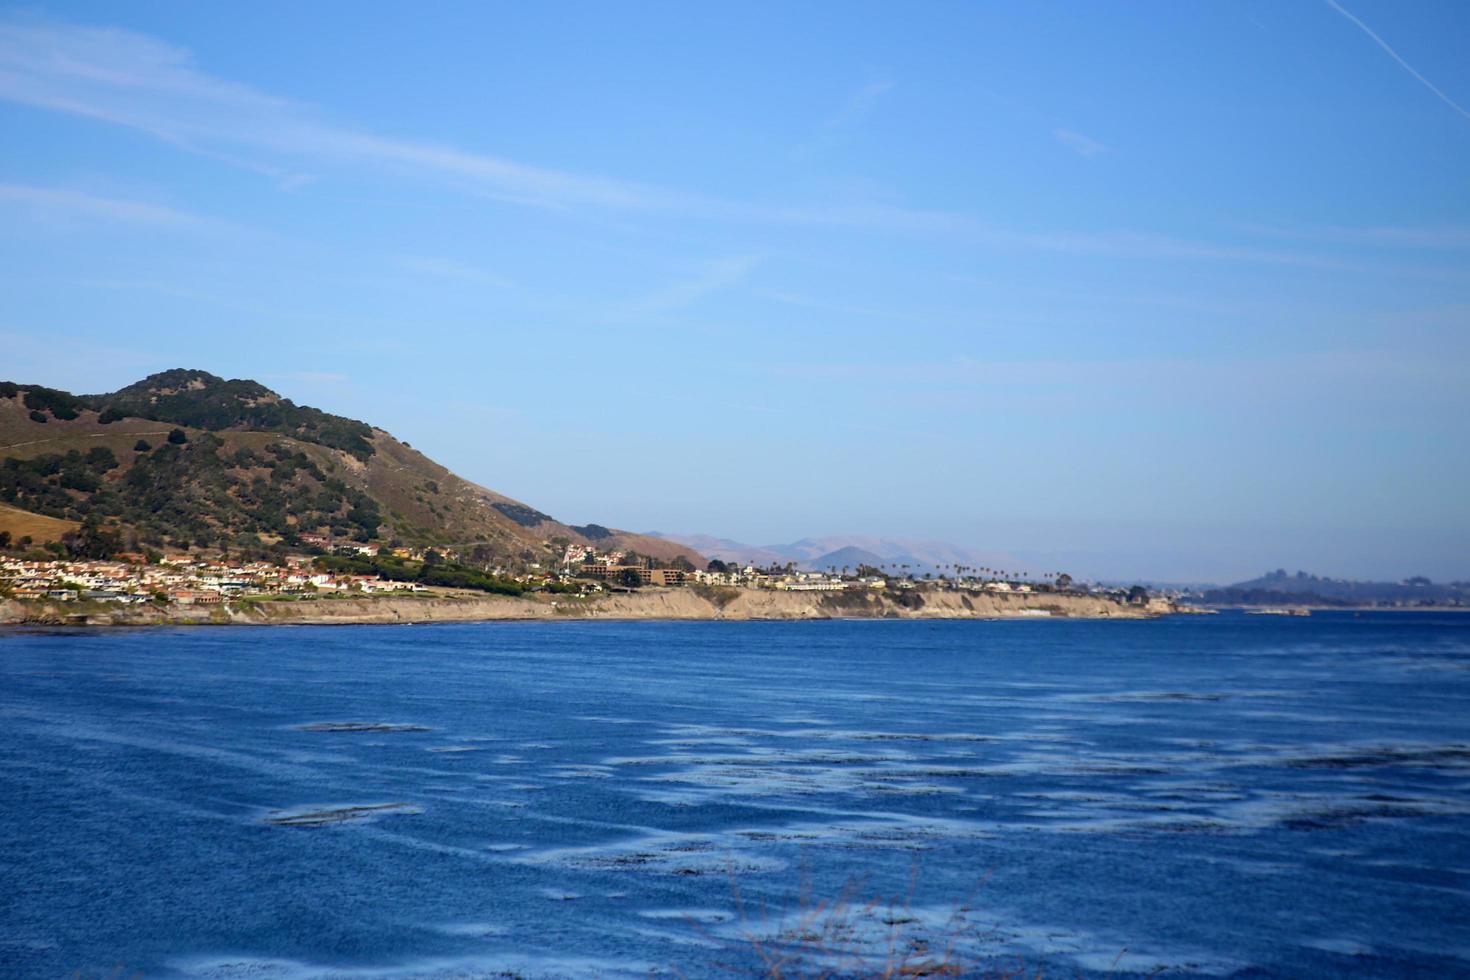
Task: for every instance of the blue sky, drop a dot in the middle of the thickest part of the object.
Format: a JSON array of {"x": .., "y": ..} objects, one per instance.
[{"x": 1147, "y": 289}]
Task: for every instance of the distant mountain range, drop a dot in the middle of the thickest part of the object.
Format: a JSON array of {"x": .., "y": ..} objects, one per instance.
[
  {"x": 850, "y": 551},
  {"x": 1283, "y": 588},
  {"x": 186, "y": 458}
]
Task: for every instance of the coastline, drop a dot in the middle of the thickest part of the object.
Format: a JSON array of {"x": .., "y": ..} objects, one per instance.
[
  {"x": 1254, "y": 610},
  {"x": 647, "y": 604}
]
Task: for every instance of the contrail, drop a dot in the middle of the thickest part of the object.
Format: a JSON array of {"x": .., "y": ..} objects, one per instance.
[{"x": 1395, "y": 55}]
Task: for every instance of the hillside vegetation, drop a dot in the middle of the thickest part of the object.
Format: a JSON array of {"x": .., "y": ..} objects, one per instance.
[{"x": 187, "y": 459}]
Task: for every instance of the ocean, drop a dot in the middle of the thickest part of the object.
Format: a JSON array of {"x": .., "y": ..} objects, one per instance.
[{"x": 1214, "y": 796}]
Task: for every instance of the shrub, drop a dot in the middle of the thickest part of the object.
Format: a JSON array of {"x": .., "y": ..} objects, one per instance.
[
  {"x": 141, "y": 446},
  {"x": 521, "y": 514},
  {"x": 178, "y": 437},
  {"x": 63, "y": 405},
  {"x": 38, "y": 417},
  {"x": 720, "y": 595}
]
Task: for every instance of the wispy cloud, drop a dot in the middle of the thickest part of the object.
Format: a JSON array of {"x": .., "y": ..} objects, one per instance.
[
  {"x": 803, "y": 301},
  {"x": 1399, "y": 58},
  {"x": 1183, "y": 379},
  {"x": 1078, "y": 143},
  {"x": 713, "y": 277},
  {"x": 148, "y": 286},
  {"x": 451, "y": 269},
  {"x": 133, "y": 80},
  {"x": 51, "y": 201},
  {"x": 1375, "y": 237},
  {"x": 1148, "y": 246},
  {"x": 1144, "y": 245},
  {"x": 139, "y": 82},
  {"x": 858, "y": 105}
]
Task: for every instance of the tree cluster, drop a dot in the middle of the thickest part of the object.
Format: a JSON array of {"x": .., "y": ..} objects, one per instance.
[
  {"x": 200, "y": 400},
  {"x": 444, "y": 574}
]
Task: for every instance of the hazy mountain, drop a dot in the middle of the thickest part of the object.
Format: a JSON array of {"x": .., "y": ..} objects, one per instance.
[
  {"x": 1281, "y": 586},
  {"x": 820, "y": 553},
  {"x": 848, "y": 557},
  {"x": 725, "y": 549},
  {"x": 187, "y": 458}
]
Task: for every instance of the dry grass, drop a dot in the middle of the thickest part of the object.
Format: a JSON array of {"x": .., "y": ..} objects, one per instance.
[{"x": 22, "y": 523}]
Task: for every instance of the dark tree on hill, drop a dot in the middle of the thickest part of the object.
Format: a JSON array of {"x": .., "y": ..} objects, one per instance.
[
  {"x": 521, "y": 514},
  {"x": 682, "y": 564},
  {"x": 38, "y": 417},
  {"x": 1064, "y": 581},
  {"x": 4, "y": 540},
  {"x": 1137, "y": 594},
  {"x": 61, "y": 404},
  {"x": 178, "y": 437},
  {"x": 715, "y": 565},
  {"x": 141, "y": 446},
  {"x": 629, "y": 577},
  {"x": 91, "y": 541}
]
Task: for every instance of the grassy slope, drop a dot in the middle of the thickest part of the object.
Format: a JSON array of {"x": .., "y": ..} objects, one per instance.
[
  {"x": 403, "y": 479},
  {"x": 423, "y": 502},
  {"x": 38, "y": 527},
  {"x": 21, "y": 437}
]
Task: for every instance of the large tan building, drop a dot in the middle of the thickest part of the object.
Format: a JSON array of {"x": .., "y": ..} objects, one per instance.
[{"x": 646, "y": 576}]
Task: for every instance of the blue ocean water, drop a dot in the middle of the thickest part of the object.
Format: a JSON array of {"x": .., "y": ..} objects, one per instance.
[{"x": 1224, "y": 796}]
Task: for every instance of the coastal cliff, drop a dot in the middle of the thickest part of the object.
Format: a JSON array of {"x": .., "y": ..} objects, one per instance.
[{"x": 670, "y": 604}]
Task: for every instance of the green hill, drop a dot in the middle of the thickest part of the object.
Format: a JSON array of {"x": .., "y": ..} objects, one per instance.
[{"x": 184, "y": 458}]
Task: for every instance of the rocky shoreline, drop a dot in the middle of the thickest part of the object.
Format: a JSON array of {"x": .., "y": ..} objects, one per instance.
[{"x": 666, "y": 604}]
